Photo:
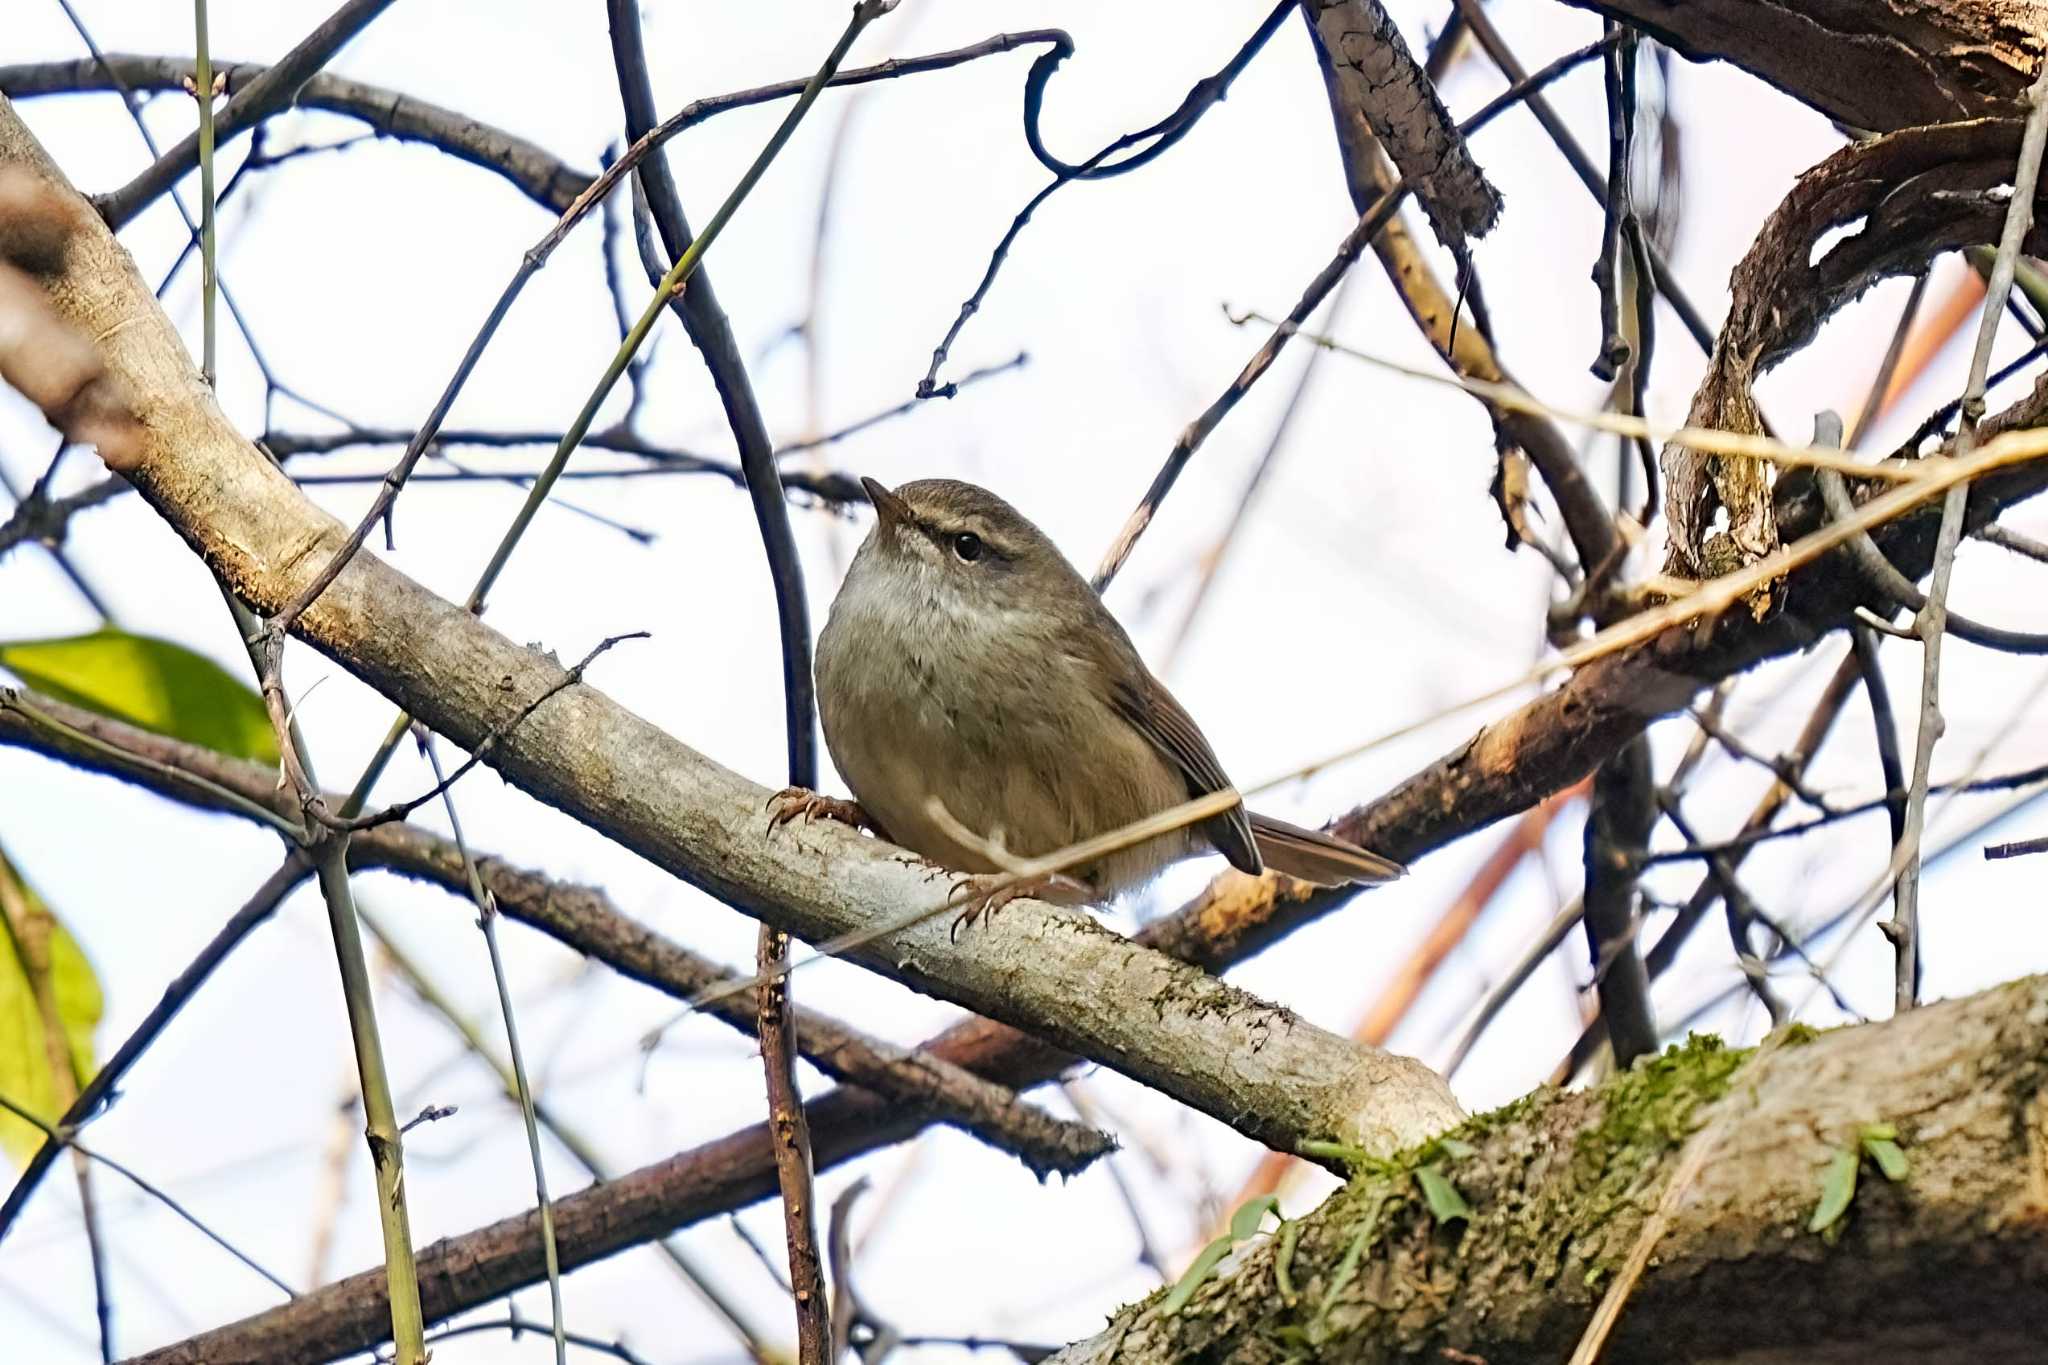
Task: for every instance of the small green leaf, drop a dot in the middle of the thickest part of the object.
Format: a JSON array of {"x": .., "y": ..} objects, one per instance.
[
  {"x": 1185, "y": 1288},
  {"x": 1245, "y": 1222},
  {"x": 148, "y": 682},
  {"x": 1445, "y": 1203},
  {"x": 1837, "y": 1188},
  {"x": 33, "y": 943},
  {"x": 1880, "y": 1132},
  {"x": 1887, "y": 1155},
  {"x": 1456, "y": 1148}
]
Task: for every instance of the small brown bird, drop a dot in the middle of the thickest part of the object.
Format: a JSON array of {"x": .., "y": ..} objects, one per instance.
[{"x": 966, "y": 660}]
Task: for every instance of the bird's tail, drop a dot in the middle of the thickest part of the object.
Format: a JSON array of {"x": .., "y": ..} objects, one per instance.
[{"x": 1317, "y": 857}]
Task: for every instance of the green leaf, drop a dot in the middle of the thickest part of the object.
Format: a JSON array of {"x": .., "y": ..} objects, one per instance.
[
  {"x": 1445, "y": 1203},
  {"x": 1456, "y": 1148},
  {"x": 36, "y": 954},
  {"x": 1837, "y": 1188},
  {"x": 1245, "y": 1222},
  {"x": 148, "y": 682},
  {"x": 1887, "y": 1155},
  {"x": 1184, "y": 1290}
]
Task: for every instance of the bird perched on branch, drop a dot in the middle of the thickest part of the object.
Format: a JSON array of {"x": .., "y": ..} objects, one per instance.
[{"x": 966, "y": 663}]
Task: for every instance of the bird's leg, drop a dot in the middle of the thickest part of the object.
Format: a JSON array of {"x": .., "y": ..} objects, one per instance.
[
  {"x": 793, "y": 802},
  {"x": 989, "y": 893}
]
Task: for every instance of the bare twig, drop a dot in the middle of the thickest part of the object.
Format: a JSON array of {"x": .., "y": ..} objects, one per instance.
[
  {"x": 1932, "y": 620},
  {"x": 1489, "y": 38},
  {"x": 522, "y": 1092},
  {"x": 2018, "y": 849},
  {"x": 100, "y": 1089},
  {"x": 1370, "y": 221},
  {"x": 1202, "y": 97},
  {"x": 257, "y": 101}
]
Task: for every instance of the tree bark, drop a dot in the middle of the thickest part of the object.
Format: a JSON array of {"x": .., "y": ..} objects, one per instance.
[
  {"x": 1948, "y": 1265},
  {"x": 1872, "y": 64}
]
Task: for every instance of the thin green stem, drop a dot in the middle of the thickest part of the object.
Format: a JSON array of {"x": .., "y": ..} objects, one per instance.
[
  {"x": 487, "y": 920},
  {"x": 408, "y": 1326},
  {"x": 387, "y": 1156},
  {"x": 202, "y": 62},
  {"x": 578, "y": 1146}
]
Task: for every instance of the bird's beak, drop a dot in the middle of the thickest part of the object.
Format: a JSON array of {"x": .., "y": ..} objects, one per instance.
[{"x": 890, "y": 510}]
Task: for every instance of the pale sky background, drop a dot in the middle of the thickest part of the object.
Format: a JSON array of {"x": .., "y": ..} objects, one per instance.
[{"x": 1368, "y": 590}]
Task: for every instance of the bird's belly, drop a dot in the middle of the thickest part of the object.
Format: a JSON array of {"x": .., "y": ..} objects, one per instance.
[{"x": 1013, "y": 776}]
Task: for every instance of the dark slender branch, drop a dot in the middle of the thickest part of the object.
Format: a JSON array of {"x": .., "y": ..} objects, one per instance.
[
  {"x": 400, "y": 810},
  {"x": 1742, "y": 915},
  {"x": 1618, "y": 71},
  {"x": 1781, "y": 767},
  {"x": 258, "y": 908},
  {"x": 1203, "y": 96},
  {"x": 2018, "y": 849},
  {"x": 1899, "y": 593},
  {"x": 1886, "y": 725},
  {"x": 712, "y": 334},
  {"x": 517, "y": 1325},
  {"x": 1496, "y": 47},
  {"x": 62, "y": 1137},
  {"x": 262, "y": 97},
  {"x": 1619, "y": 819},
  {"x": 1937, "y": 421},
  {"x": 1748, "y": 838},
  {"x": 1369, "y": 223},
  {"x": 1991, "y": 533}
]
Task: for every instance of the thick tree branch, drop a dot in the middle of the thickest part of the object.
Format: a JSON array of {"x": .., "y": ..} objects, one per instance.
[
  {"x": 1948, "y": 1264},
  {"x": 1875, "y": 64}
]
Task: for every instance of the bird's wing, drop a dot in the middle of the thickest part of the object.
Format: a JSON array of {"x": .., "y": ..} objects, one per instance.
[{"x": 1153, "y": 712}]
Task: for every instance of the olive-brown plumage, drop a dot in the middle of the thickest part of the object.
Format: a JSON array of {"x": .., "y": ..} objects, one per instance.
[{"x": 965, "y": 659}]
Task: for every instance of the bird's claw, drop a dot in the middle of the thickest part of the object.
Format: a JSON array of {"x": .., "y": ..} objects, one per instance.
[
  {"x": 988, "y": 894},
  {"x": 793, "y": 803}
]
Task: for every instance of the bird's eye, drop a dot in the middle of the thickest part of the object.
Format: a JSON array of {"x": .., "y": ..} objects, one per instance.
[{"x": 967, "y": 545}]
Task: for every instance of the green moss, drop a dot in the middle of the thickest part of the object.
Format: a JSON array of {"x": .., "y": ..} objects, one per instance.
[
  {"x": 1554, "y": 1182},
  {"x": 1797, "y": 1034}
]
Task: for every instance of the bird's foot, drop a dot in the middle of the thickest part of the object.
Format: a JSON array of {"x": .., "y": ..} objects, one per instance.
[
  {"x": 793, "y": 803},
  {"x": 989, "y": 893}
]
